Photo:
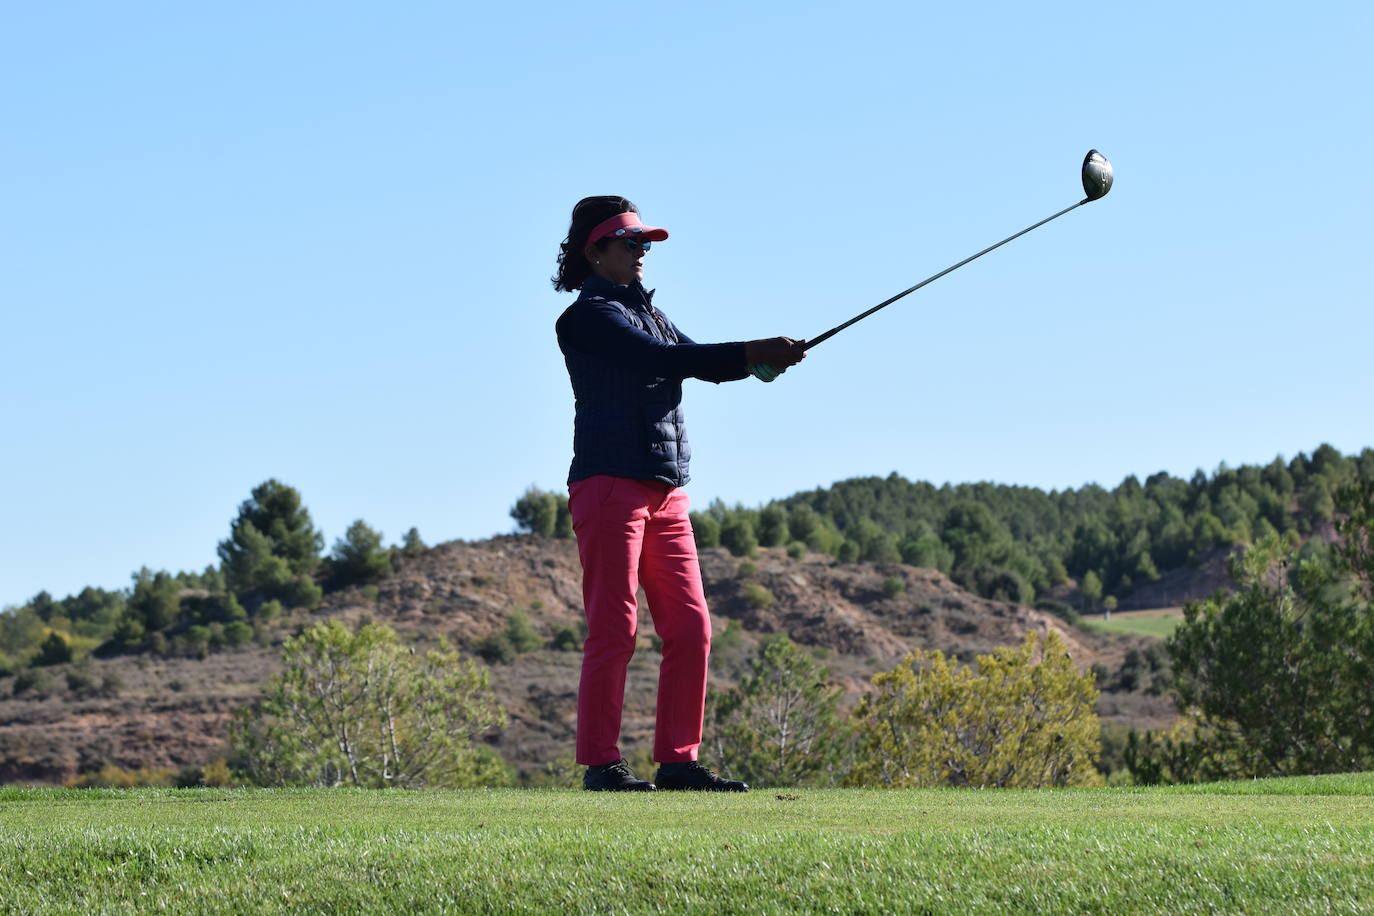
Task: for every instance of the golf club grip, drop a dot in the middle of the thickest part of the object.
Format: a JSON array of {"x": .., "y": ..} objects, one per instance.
[{"x": 931, "y": 279}]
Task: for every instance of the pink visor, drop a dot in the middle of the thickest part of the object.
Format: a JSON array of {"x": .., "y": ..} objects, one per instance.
[{"x": 626, "y": 224}]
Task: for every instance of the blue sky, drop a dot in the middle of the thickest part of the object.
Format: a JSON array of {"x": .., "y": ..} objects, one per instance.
[{"x": 313, "y": 242}]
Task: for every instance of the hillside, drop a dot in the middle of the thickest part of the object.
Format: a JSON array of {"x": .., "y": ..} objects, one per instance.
[{"x": 143, "y": 710}]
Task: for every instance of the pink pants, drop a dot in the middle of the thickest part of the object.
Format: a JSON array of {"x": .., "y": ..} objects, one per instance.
[{"x": 632, "y": 532}]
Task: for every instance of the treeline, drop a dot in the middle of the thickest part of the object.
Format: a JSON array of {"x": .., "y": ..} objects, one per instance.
[
  {"x": 273, "y": 560},
  {"x": 1017, "y": 543}
]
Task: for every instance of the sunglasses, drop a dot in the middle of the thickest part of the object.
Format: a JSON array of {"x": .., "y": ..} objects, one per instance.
[{"x": 636, "y": 246}]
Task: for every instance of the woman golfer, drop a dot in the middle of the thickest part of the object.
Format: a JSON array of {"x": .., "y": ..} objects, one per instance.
[{"x": 626, "y": 362}]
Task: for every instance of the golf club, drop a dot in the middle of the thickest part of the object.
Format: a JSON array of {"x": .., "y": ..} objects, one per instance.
[{"x": 1097, "y": 181}]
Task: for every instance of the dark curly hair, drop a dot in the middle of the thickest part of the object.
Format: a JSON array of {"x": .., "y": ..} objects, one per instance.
[{"x": 573, "y": 266}]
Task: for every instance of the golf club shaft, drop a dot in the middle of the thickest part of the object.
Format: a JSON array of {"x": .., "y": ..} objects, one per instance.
[{"x": 838, "y": 328}]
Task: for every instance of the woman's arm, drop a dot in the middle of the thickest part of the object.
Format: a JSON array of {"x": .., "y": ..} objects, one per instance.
[
  {"x": 777, "y": 352},
  {"x": 601, "y": 329}
]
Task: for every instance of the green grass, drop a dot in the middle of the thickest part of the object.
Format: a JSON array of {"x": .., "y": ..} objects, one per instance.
[
  {"x": 1160, "y": 623},
  {"x": 1291, "y": 846}
]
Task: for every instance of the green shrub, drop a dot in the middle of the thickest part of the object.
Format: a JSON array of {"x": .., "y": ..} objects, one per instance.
[
  {"x": 535, "y": 512},
  {"x": 892, "y": 586},
  {"x": 495, "y": 648},
  {"x": 780, "y": 726},
  {"x": 1060, "y": 609},
  {"x": 359, "y": 556},
  {"x": 796, "y": 550},
  {"x": 80, "y": 679},
  {"x": 216, "y": 774},
  {"x": 32, "y": 680},
  {"x": 565, "y": 639},
  {"x": 521, "y": 633},
  {"x": 412, "y": 545},
  {"x": 360, "y": 708},
  {"x": 757, "y": 597},
  {"x": 706, "y": 531},
  {"x": 737, "y": 535},
  {"x": 196, "y": 641},
  {"x": 238, "y": 633},
  {"x": 55, "y": 650},
  {"x": 772, "y": 528},
  {"x": 730, "y": 637},
  {"x": 303, "y": 592},
  {"x": 1020, "y": 717}
]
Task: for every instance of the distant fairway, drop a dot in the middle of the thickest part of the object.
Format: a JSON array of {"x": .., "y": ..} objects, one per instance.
[
  {"x": 1291, "y": 846},
  {"x": 1159, "y": 622}
]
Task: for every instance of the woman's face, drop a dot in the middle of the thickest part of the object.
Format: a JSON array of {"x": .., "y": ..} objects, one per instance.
[{"x": 621, "y": 261}]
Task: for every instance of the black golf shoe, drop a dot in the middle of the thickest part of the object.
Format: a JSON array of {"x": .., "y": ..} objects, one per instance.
[
  {"x": 692, "y": 775},
  {"x": 614, "y": 777}
]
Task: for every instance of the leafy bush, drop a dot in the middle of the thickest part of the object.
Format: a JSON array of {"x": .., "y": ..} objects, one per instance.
[
  {"x": 543, "y": 514},
  {"x": 1019, "y": 718},
  {"x": 737, "y": 535},
  {"x": 81, "y": 680},
  {"x": 33, "y": 680},
  {"x": 521, "y": 633},
  {"x": 359, "y": 556},
  {"x": 358, "y": 708},
  {"x": 705, "y": 530},
  {"x": 780, "y": 726},
  {"x": 892, "y": 586},
  {"x": 216, "y": 607},
  {"x": 756, "y": 596},
  {"x": 55, "y": 650},
  {"x": 238, "y": 633},
  {"x": 1060, "y": 609},
  {"x": 213, "y": 774},
  {"x": 566, "y": 639},
  {"x": 517, "y": 637},
  {"x": 494, "y": 648},
  {"x": 535, "y": 512},
  {"x": 772, "y": 525},
  {"x": 730, "y": 637},
  {"x": 412, "y": 545}
]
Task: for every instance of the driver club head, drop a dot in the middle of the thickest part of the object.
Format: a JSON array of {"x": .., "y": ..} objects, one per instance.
[{"x": 1097, "y": 175}]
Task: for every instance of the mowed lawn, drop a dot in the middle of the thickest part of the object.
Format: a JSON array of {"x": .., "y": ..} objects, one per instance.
[
  {"x": 1290, "y": 846},
  {"x": 1159, "y": 622}
]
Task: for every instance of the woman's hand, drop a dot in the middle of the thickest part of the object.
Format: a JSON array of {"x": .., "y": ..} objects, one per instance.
[{"x": 778, "y": 352}]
